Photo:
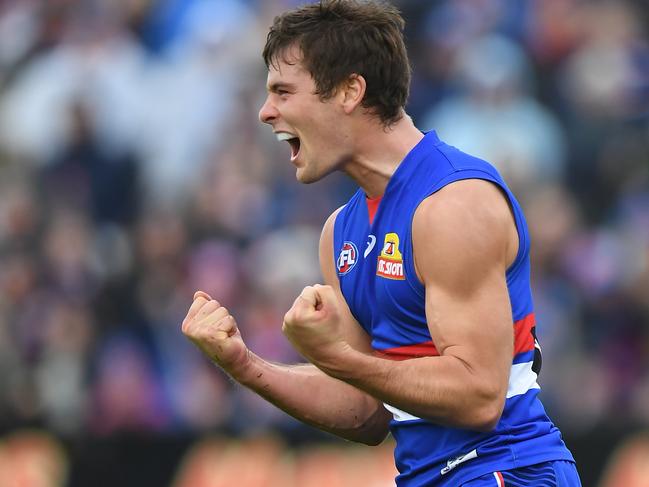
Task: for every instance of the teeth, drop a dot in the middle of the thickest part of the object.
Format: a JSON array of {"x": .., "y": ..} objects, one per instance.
[{"x": 285, "y": 136}]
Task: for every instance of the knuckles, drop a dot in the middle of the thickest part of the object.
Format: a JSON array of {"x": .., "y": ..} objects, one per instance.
[
  {"x": 206, "y": 334},
  {"x": 294, "y": 317},
  {"x": 199, "y": 326}
]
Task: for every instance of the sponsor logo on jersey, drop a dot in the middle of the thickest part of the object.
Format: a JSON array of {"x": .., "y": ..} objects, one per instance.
[
  {"x": 347, "y": 258},
  {"x": 390, "y": 262}
]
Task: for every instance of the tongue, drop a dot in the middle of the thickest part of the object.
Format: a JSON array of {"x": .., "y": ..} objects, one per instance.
[{"x": 295, "y": 147}]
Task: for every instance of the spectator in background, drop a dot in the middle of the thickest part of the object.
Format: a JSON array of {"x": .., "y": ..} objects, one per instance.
[
  {"x": 98, "y": 173},
  {"x": 130, "y": 65},
  {"x": 604, "y": 97},
  {"x": 495, "y": 117}
]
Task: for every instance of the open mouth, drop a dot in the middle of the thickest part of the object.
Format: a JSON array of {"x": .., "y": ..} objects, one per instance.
[{"x": 293, "y": 141}]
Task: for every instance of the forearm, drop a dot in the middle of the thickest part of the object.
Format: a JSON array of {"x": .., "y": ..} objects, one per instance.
[
  {"x": 313, "y": 397},
  {"x": 441, "y": 389}
]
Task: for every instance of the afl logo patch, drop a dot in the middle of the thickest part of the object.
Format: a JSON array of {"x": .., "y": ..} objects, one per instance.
[{"x": 347, "y": 258}]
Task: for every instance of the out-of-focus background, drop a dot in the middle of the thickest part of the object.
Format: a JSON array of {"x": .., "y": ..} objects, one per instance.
[{"x": 133, "y": 171}]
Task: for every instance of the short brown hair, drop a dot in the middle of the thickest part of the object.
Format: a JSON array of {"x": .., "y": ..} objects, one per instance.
[{"x": 338, "y": 38}]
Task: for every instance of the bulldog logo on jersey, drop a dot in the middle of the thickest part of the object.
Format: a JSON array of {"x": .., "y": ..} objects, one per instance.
[
  {"x": 390, "y": 263},
  {"x": 347, "y": 258}
]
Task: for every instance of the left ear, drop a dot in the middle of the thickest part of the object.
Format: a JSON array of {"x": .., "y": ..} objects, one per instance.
[{"x": 353, "y": 92}]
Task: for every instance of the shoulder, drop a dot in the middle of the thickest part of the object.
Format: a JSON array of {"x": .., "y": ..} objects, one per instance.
[
  {"x": 326, "y": 249},
  {"x": 328, "y": 227},
  {"x": 465, "y": 225},
  {"x": 468, "y": 200}
]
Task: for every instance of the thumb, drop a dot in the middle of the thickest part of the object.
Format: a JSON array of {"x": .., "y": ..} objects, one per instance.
[
  {"x": 310, "y": 297},
  {"x": 202, "y": 294},
  {"x": 303, "y": 307},
  {"x": 325, "y": 295}
]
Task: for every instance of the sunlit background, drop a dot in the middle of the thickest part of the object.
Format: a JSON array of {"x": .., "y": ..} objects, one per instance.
[{"x": 133, "y": 171}]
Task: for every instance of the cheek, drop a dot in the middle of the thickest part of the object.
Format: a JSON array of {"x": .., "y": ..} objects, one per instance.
[{"x": 323, "y": 137}]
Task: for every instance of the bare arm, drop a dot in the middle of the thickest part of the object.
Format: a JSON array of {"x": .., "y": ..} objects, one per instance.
[
  {"x": 464, "y": 239},
  {"x": 303, "y": 391},
  {"x": 313, "y": 397}
]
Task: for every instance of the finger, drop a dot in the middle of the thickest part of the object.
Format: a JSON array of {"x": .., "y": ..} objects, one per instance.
[
  {"x": 221, "y": 335},
  {"x": 224, "y": 329},
  {"x": 323, "y": 289},
  {"x": 202, "y": 294},
  {"x": 309, "y": 295},
  {"x": 316, "y": 297},
  {"x": 207, "y": 309},
  {"x": 228, "y": 325},
  {"x": 200, "y": 298},
  {"x": 213, "y": 317},
  {"x": 299, "y": 302},
  {"x": 325, "y": 294},
  {"x": 303, "y": 307},
  {"x": 194, "y": 308}
]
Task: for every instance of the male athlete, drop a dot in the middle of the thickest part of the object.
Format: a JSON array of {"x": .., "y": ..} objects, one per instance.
[{"x": 425, "y": 326}]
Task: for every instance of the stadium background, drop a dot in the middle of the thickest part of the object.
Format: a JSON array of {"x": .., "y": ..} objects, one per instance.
[{"x": 133, "y": 171}]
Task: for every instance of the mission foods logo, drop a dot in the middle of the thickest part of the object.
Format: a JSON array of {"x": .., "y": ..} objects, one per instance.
[
  {"x": 390, "y": 264},
  {"x": 347, "y": 258}
]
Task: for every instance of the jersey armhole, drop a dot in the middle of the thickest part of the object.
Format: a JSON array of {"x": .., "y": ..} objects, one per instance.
[
  {"x": 337, "y": 243},
  {"x": 519, "y": 221},
  {"x": 335, "y": 239}
]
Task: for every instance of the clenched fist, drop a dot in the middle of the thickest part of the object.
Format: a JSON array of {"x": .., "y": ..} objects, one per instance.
[
  {"x": 212, "y": 329},
  {"x": 313, "y": 325}
]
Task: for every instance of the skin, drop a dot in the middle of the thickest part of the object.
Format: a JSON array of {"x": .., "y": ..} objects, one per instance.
[{"x": 464, "y": 239}]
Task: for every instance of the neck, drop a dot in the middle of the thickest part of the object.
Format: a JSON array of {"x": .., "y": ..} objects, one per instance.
[{"x": 379, "y": 151}]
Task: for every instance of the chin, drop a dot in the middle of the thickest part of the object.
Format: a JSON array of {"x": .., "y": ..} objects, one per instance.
[{"x": 304, "y": 176}]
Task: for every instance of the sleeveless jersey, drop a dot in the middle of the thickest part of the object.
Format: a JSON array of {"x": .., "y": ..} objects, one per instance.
[{"x": 378, "y": 280}]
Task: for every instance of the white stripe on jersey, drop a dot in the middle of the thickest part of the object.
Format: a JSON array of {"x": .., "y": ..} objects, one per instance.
[
  {"x": 499, "y": 482},
  {"x": 399, "y": 415},
  {"x": 521, "y": 379}
]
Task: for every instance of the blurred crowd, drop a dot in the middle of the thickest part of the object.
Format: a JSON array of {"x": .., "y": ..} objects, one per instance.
[{"x": 134, "y": 171}]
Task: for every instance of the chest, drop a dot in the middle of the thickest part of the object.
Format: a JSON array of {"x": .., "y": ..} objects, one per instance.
[{"x": 377, "y": 276}]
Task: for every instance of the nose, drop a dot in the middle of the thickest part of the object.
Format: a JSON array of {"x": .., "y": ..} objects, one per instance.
[{"x": 268, "y": 113}]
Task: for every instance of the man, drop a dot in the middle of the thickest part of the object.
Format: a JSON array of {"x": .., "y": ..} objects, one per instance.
[{"x": 425, "y": 325}]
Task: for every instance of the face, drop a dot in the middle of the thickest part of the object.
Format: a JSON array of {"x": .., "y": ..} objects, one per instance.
[{"x": 313, "y": 128}]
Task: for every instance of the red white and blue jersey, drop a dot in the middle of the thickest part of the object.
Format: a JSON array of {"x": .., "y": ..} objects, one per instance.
[{"x": 374, "y": 258}]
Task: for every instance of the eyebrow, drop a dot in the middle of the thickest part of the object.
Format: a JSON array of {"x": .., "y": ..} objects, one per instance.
[{"x": 277, "y": 86}]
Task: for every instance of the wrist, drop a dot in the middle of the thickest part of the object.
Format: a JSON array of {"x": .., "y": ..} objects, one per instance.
[
  {"x": 344, "y": 364},
  {"x": 241, "y": 370}
]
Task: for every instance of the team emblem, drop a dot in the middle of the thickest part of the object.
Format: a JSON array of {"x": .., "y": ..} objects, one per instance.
[
  {"x": 347, "y": 258},
  {"x": 390, "y": 262}
]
